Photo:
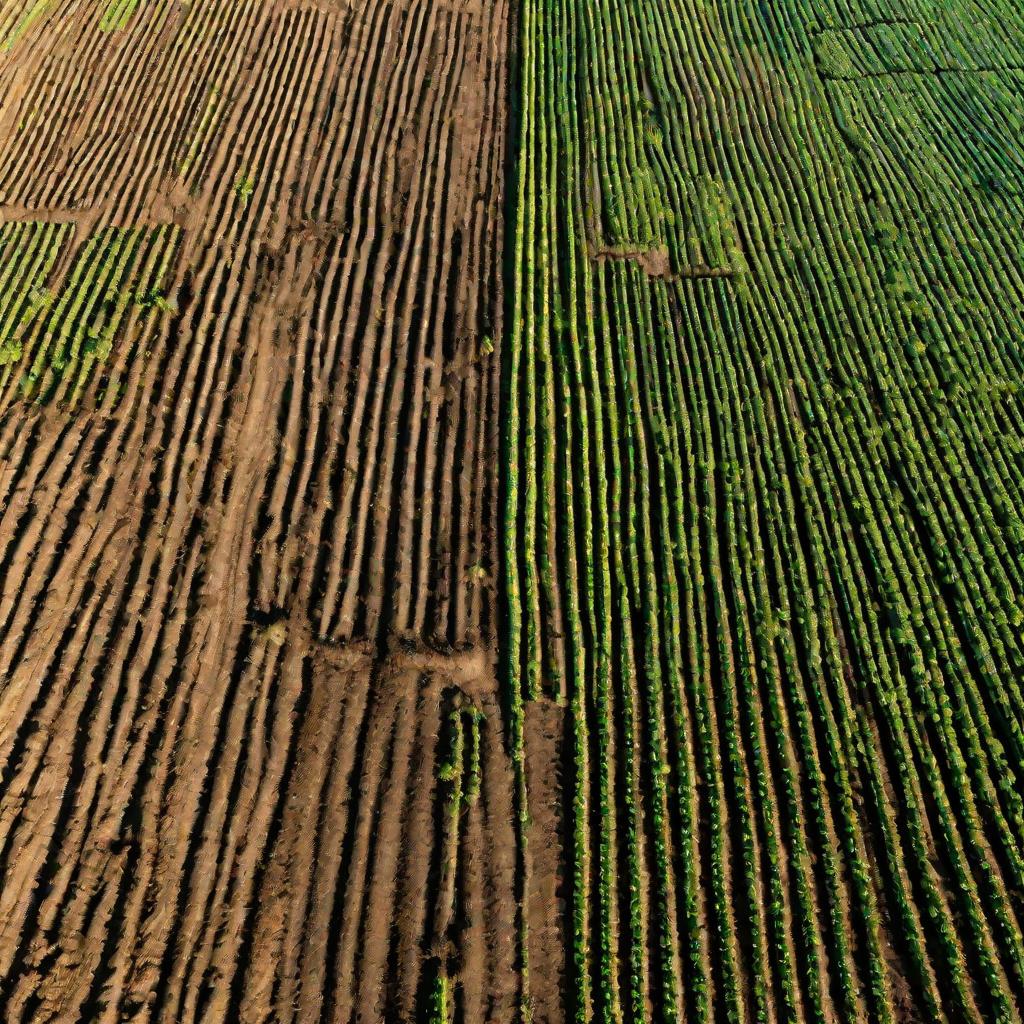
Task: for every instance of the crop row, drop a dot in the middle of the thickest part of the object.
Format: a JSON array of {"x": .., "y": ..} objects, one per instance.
[
  {"x": 117, "y": 15},
  {"x": 53, "y": 338},
  {"x": 459, "y": 778},
  {"x": 28, "y": 252}
]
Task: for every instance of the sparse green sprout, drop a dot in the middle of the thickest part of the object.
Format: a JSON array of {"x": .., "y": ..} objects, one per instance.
[
  {"x": 276, "y": 633},
  {"x": 439, "y": 1008},
  {"x": 244, "y": 188}
]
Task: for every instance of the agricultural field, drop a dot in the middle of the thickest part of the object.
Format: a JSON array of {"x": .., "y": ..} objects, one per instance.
[
  {"x": 250, "y": 315},
  {"x": 511, "y": 512},
  {"x": 763, "y": 505}
]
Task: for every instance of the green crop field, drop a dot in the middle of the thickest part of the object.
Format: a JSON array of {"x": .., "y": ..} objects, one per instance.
[{"x": 764, "y": 498}]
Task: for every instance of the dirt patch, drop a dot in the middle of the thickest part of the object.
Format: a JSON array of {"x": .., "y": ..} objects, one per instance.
[
  {"x": 548, "y": 896},
  {"x": 389, "y": 892},
  {"x": 657, "y": 263}
]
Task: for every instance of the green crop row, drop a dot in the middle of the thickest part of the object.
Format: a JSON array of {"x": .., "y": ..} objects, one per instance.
[
  {"x": 19, "y": 20},
  {"x": 53, "y": 338},
  {"x": 117, "y": 15},
  {"x": 460, "y": 779},
  {"x": 28, "y": 251}
]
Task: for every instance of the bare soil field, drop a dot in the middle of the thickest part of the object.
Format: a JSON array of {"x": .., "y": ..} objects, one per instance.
[{"x": 250, "y": 314}]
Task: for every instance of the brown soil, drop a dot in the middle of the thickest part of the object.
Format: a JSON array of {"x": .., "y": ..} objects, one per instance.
[
  {"x": 549, "y": 896},
  {"x": 233, "y": 583}
]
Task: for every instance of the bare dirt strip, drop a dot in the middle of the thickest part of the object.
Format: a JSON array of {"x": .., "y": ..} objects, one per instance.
[{"x": 248, "y": 401}]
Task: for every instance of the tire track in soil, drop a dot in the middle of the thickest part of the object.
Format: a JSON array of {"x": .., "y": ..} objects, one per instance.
[{"x": 245, "y": 578}]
